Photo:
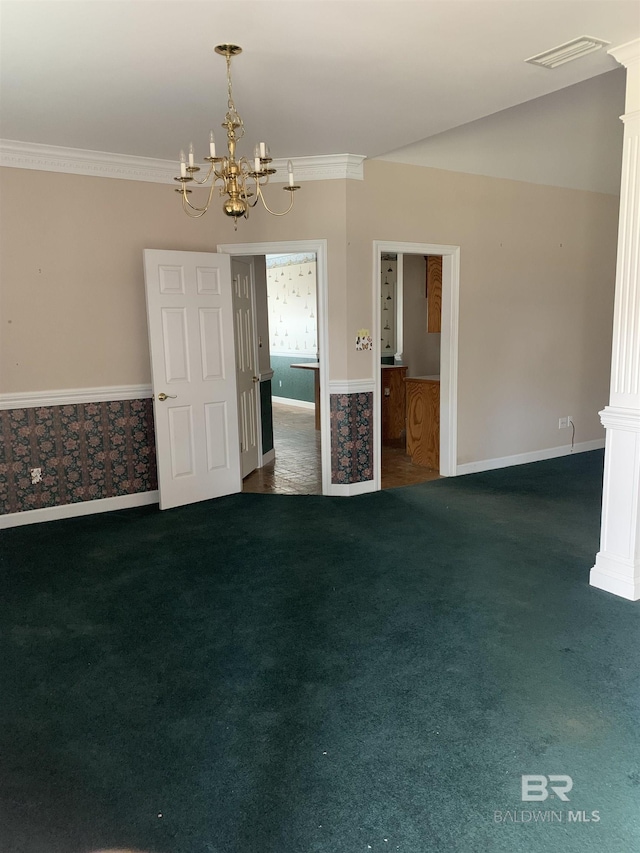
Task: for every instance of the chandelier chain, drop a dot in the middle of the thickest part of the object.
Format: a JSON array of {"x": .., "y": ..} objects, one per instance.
[
  {"x": 232, "y": 116},
  {"x": 230, "y": 103}
]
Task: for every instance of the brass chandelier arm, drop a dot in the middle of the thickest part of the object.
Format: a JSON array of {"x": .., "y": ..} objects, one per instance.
[
  {"x": 274, "y": 212},
  {"x": 212, "y": 170},
  {"x": 198, "y": 211},
  {"x": 253, "y": 203}
]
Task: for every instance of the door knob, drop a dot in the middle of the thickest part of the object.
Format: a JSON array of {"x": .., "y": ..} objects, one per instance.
[
  {"x": 162, "y": 396},
  {"x": 256, "y": 379}
]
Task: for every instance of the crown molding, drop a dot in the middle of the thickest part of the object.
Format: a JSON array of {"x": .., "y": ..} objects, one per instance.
[
  {"x": 323, "y": 167},
  {"x": 77, "y": 161},
  {"x": 626, "y": 54},
  {"x": 102, "y": 164}
]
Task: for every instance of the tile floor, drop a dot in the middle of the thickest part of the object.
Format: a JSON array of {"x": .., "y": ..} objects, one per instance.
[
  {"x": 399, "y": 470},
  {"x": 296, "y": 469}
]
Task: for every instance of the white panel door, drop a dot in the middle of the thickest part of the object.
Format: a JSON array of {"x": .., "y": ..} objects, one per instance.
[
  {"x": 190, "y": 316},
  {"x": 246, "y": 362}
]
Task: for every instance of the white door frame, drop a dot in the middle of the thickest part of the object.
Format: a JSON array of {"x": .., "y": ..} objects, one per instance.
[
  {"x": 448, "y": 348},
  {"x": 294, "y": 247}
]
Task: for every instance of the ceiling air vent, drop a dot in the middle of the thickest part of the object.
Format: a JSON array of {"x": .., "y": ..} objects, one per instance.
[{"x": 567, "y": 52}]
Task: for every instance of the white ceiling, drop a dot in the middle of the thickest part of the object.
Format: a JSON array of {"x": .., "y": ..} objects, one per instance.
[{"x": 140, "y": 77}]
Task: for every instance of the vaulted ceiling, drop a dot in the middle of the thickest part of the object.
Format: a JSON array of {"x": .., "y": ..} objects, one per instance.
[{"x": 316, "y": 76}]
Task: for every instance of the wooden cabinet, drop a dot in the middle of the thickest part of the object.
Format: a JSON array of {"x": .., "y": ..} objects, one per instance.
[
  {"x": 423, "y": 420},
  {"x": 434, "y": 293},
  {"x": 393, "y": 402}
]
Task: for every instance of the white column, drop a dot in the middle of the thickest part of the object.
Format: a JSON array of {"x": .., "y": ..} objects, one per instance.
[{"x": 617, "y": 567}]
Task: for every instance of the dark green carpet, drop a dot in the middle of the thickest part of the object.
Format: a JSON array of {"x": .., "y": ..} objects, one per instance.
[{"x": 314, "y": 675}]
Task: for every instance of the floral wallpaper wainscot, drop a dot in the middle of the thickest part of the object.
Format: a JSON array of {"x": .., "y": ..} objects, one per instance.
[
  {"x": 86, "y": 451},
  {"x": 351, "y": 437}
]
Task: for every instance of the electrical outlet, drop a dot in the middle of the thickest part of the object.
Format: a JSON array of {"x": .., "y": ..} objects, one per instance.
[
  {"x": 570, "y": 420},
  {"x": 36, "y": 476},
  {"x": 563, "y": 423}
]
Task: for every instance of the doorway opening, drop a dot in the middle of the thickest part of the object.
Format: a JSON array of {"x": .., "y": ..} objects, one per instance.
[
  {"x": 292, "y": 344},
  {"x": 417, "y": 361},
  {"x": 293, "y": 400},
  {"x": 410, "y": 369}
]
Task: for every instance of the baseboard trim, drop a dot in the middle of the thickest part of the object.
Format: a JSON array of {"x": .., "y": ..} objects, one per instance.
[
  {"x": 301, "y": 404},
  {"x": 532, "y": 456},
  {"x": 54, "y": 513},
  {"x": 348, "y": 490},
  {"x": 616, "y": 576},
  {"x": 72, "y": 396},
  {"x": 269, "y": 456}
]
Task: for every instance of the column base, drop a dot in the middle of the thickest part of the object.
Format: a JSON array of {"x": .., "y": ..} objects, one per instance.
[
  {"x": 617, "y": 568},
  {"x": 616, "y": 575}
]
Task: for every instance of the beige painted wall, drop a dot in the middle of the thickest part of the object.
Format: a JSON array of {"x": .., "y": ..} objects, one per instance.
[
  {"x": 536, "y": 296},
  {"x": 536, "y": 287},
  {"x": 72, "y": 303}
]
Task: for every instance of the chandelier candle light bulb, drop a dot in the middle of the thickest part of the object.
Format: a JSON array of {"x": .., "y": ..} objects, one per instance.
[{"x": 238, "y": 183}]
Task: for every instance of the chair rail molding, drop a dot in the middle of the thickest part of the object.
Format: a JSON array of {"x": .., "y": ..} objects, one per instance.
[{"x": 71, "y": 396}]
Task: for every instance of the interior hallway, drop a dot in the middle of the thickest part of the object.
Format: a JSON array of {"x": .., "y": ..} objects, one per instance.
[{"x": 297, "y": 469}]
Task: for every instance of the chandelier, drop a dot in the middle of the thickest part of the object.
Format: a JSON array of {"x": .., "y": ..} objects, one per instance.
[{"x": 238, "y": 179}]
